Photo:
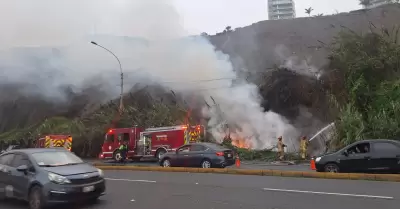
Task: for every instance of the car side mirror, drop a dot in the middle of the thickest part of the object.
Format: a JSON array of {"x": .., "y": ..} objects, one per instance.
[
  {"x": 22, "y": 168},
  {"x": 345, "y": 153}
]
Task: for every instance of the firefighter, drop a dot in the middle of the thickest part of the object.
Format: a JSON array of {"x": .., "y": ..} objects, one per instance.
[
  {"x": 281, "y": 148},
  {"x": 303, "y": 147},
  {"x": 123, "y": 150}
]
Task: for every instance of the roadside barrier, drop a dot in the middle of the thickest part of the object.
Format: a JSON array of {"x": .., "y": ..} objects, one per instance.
[{"x": 282, "y": 173}]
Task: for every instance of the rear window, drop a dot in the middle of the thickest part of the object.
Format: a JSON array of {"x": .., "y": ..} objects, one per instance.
[
  {"x": 56, "y": 158},
  {"x": 215, "y": 146}
]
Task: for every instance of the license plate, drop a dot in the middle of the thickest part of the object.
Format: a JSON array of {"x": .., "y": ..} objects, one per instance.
[
  {"x": 229, "y": 155},
  {"x": 88, "y": 189}
]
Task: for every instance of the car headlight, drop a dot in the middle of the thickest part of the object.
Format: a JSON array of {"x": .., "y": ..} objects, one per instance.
[
  {"x": 101, "y": 173},
  {"x": 58, "y": 179},
  {"x": 317, "y": 159}
]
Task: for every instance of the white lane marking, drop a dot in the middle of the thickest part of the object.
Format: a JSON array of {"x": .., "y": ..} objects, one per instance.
[
  {"x": 131, "y": 180},
  {"x": 329, "y": 193}
]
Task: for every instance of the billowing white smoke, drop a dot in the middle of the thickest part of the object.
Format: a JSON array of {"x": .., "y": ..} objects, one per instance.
[
  {"x": 162, "y": 53},
  {"x": 299, "y": 65}
]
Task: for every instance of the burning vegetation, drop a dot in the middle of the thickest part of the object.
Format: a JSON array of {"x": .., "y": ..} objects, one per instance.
[{"x": 241, "y": 143}]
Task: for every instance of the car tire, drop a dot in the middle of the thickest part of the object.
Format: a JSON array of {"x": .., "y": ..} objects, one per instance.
[
  {"x": 206, "y": 163},
  {"x": 166, "y": 163},
  {"x": 35, "y": 199},
  {"x": 159, "y": 153},
  {"x": 117, "y": 156},
  {"x": 331, "y": 168}
]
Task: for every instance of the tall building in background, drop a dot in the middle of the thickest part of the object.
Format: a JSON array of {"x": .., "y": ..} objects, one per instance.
[
  {"x": 376, "y": 3},
  {"x": 281, "y": 9}
]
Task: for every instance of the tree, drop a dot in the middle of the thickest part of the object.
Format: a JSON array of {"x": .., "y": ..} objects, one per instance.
[
  {"x": 88, "y": 131},
  {"x": 228, "y": 29},
  {"x": 309, "y": 10},
  {"x": 369, "y": 96},
  {"x": 365, "y": 3}
]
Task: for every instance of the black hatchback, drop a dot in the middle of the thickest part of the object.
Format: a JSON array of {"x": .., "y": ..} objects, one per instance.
[
  {"x": 48, "y": 176},
  {"x": 367, "y": 156},
  {"x": 205, "y": 155}
]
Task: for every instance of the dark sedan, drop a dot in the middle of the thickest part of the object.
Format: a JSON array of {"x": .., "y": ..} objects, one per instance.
[
  {"x": 368, "y": 156},
  {"x": 48, "y": 176},
  {"x": 205, "y": 155}
]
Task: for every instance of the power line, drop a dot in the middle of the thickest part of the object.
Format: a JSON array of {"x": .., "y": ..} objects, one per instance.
[
  {"x": 192, "y": 81},
  {"x": 198, "y": 81}
]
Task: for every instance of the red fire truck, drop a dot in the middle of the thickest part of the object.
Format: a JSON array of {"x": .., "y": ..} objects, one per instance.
[{"x": 150, "y": 142}]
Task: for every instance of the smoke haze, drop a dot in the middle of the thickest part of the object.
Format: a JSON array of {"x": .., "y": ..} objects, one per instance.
[{"x": 45, "y": 45}]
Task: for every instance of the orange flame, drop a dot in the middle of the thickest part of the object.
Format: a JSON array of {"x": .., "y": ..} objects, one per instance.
[{"x": 241, "y": 143}]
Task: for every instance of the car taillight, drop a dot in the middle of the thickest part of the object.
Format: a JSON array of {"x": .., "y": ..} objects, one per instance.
[{"x": 220, "y": 153}]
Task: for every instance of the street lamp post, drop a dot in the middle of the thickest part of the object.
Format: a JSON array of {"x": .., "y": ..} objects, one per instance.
[{"x": 121, "y": 104}]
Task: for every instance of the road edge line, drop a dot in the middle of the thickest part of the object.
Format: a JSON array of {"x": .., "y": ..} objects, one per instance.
[
  {"x": 329, "y": 193},
  {"x": 281, "y": 173}
]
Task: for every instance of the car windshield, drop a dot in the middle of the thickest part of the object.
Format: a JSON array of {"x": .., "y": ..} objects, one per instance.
[{"x": 56, "y": 158}]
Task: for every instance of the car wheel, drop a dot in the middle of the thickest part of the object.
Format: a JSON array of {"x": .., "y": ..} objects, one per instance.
[
  {"x": 160, "y": 153},
  {"x": 206, "y": 164},
  {"x": 331, "y": 168},
  {"x": 166, "y": 163},
  {"x": 118, "y": 156},
  {"x": 35, "y": 199}
]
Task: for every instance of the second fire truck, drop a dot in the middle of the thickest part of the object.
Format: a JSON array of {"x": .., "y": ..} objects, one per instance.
[
  {"x": 150, "y": 142},
  {"x": 50, "y": 141}
]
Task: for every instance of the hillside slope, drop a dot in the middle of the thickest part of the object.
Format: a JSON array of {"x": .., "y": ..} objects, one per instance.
[
  {"x": 293, "y": 92},
  {"x": 263, "y": 44}
]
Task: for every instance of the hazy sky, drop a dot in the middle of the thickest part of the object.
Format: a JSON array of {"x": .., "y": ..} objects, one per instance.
[
  {"x": 52, "y": 22},
  {"x": 214, "y": 15}
]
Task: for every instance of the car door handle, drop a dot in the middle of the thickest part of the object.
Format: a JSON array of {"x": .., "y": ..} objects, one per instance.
[
  {"x": 186, "y": 155},
  {"x": 367, "y": 157}
]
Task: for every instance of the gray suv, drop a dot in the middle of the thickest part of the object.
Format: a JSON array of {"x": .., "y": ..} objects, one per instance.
[{"x": 48, "y": 176}]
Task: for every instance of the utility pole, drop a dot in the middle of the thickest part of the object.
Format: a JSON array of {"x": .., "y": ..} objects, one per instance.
[{"x": 121, "y": 96}]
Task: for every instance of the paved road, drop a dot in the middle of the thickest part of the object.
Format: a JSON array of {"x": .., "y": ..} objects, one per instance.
[{"x": 153, "y": 190}]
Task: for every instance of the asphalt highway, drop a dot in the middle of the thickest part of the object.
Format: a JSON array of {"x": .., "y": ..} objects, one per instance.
[{"x": 156, "y": 190}]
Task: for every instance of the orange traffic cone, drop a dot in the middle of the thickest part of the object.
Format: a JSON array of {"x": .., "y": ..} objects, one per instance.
[
  {"x": 312, "y": 164},
  {"x": 237, "y": 161}
]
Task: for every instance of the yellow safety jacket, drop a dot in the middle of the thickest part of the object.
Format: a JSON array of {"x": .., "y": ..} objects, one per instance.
[
  {"x": 280, "y": 146},
  {"x": 303, "y": 144}
]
